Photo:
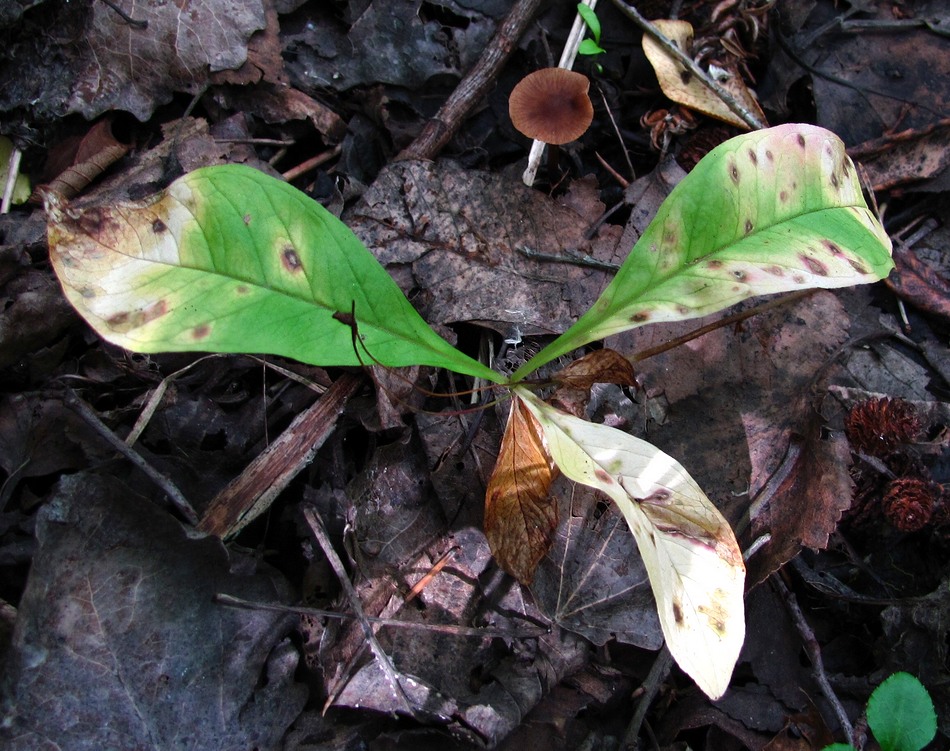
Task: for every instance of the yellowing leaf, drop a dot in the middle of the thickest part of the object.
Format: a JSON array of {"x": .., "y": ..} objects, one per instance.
[
  {"x": 690, "y": 553},
  {"x": 228, "y": 259},
  {"x": 681, "y": 86},
  {"x": 520, "y": 517},
  {"x": 771, "y": 211}
]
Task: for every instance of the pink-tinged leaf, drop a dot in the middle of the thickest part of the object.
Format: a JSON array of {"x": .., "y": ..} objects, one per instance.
[
  {"x": 690, "y": 553},
  {"x": 771, "y": 211}
]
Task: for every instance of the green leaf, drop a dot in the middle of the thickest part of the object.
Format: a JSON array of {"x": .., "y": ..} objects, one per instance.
[
  {"x": 592, "y": 22},
  {"x": 228, "y": 259},
  {"x": 688, "y": 548},
  {"x": 901, "y": 714},
  {"x": 771, "y": 211},
  {"x": 838, "y": 747},
  {"x": 590, "y": 47}
]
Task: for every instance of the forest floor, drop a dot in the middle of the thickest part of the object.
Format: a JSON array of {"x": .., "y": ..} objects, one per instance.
[{"x": 237, "y": 551}]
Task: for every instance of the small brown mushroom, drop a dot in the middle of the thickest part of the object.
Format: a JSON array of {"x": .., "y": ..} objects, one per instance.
[{"x": 551, "y": 105}]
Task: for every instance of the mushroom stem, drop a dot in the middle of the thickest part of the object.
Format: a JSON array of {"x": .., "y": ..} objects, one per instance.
[
  {"x": 554, "y": 157},
  {"x": 567, "y": 61}
]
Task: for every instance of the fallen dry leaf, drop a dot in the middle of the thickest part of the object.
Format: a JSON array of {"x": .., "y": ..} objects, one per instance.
[
  {"x": 182, "y": 44},
  {"x": 599, "y": 366},
  {"x": 681, "y": 86},
  {"x": 592, "y": 581},
  {"x": 118, "y": 641},
  {"x": 455, "y": 237},
  {"x": 520, "y": 516}
]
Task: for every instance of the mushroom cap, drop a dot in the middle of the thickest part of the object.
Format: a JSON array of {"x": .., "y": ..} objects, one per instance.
[{"x": 551, "y": 105}]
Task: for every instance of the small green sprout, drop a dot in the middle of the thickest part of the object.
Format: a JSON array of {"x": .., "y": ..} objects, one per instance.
[
  {"x": 590, "y": 46},
  {"x": 901, "y": 715}
]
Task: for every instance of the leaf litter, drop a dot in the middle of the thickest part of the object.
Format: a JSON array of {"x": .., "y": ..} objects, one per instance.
[{"x": 455, "y": 237}]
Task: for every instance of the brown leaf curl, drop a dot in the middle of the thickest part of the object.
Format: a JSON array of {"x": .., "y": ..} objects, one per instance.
[{"x": 520, "y": 517}]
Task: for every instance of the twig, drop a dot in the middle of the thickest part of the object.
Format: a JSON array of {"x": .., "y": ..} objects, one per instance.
[
  {"x": 312, "y": 163},
  {"x": 568, "y": 56},
  {"x": 316, "y": 527},
  {"x": 813, "y": 650},
  {"x": 727, "y": 321},
  {"x": 442, "y": 628},
  {"x": 77, "y": 405},
  {"x": 13, "y": 171},
  {"x": 730, "y": 101},
  {"x": 572, "y": 257},
  {"x": 125, "y": 16},
  {"x": 651, "y": 687},
  {"x": 473, "y": 87},
  {"x": 616, "y": 127}
]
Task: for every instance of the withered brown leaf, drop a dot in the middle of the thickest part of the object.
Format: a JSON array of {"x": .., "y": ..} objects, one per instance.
[
  {"x": 520, "y": 517},
  {"x": 574, "y": 381},
  {"x": 599, "y": 366}
]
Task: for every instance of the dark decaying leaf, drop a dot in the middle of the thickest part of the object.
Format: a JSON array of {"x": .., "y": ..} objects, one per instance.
[
  {"x": 456, "y": 236},
  {"x": 384, "y": 42},
  {"x": 599, "y": 366},
  {"x": 175, "y": 52},
  {"x": 520, "y": 517},
  {"x": 119, "y": 644},
  {"x": 593, "y": 581}
]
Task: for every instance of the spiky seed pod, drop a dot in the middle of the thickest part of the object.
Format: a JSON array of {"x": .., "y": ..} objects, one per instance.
[
  {"x": 878, "y": 425},
  {"x": 908, "y": 503}
]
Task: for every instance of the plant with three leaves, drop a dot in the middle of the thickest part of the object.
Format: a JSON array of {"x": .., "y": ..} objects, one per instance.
[{"x": 227, "y": 259}]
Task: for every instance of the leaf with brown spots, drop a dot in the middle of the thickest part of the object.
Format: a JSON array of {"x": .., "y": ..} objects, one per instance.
[
  {"x": 228, "y": 259},
  {"x": 520, "y": 517},
  {"x": 689, "y": 551},
  {"x": 771, "y": 211}
]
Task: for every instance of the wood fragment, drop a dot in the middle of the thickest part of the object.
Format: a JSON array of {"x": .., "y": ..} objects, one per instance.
[
  {"x": 253, "y": 491},
  {"x": 474, "y": 86}
]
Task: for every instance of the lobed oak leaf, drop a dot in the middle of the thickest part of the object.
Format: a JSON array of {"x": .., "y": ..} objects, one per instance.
[{"x": 520, "y": 516}]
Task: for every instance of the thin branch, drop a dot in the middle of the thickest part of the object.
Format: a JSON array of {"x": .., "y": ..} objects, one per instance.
[
  {"x": 442, "y": 628},
  {"x": 731, "y": 102},
  {"x": 662, "y": 666},
  {"x": 77, "y": 405},
  {"x": 319, "y": 532},
  {"x": 473, "y": 87},
  {"x": 813, "y": 650}
]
